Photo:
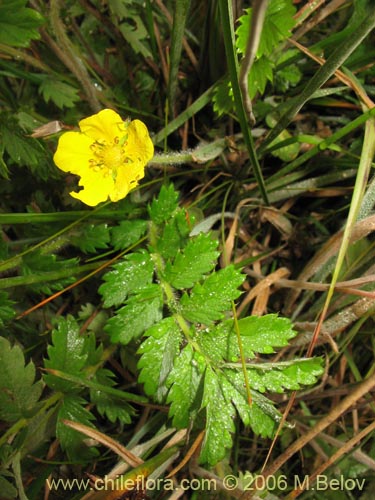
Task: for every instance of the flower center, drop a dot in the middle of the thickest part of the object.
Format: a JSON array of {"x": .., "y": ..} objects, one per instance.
[
  {"x": 108, "y": 158},
  {"x": 113, "y": 156}
]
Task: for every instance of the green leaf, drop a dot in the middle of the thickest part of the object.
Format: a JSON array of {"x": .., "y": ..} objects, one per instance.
[
  {"x": 277, "y": 27},
  {"x": 131, "y": 275},
  {"x": 174, "y": 236},
  {"x": 7, "y": 489},
  {"x": 287, "y": 73},
  {"x": 262, "y": 416},
  {"x": 37, "y": 262},
  {"x": 159, "y": 351},
  {"x": 67, "y": 354},
  {"x": 162, "y": 208},
  {"x": 6, "y": 308},
  {"x": 277, "y": 377},
  {"x": 136, "y": 37},
  {"x": 262, "y": 334},
  {"x": 18, "y": 392},
  {"x": 286, "y": 153},
  {"x": 258, "y": 335},
  {"x": 141, "y": 311},
  {"x": 72, "y": 441},
  {"x": 220, "y": 419},
  {"x": 223, "y": 98},
  {"x": 127, "y": 233},
  {"x": 60, "y": 93},
  {"x": 261, "y": 73},
  {"x": 91, "y": 237},
  {"x": 184, "y": 382},
  {"x": 18, "y": 25},
  {"x": 107, "y": 405},
  {"x": 198, "y": 258},
  {"x": 208, "y": 301},
  {"x": 120, "y": 7},
  {"x": 21, "y": 149}
]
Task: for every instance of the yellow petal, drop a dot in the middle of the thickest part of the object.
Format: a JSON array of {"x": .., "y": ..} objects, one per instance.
[
  {"x": 127, "y": 179},
  {"x": 139, "y": 145},
  {"x": 73, "y": 152},
  {"x": 96, "y": 188},
  {"x": 105, "y": 125}
]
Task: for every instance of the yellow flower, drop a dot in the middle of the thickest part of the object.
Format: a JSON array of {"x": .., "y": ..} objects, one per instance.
[{"x": 108, "y": 154}]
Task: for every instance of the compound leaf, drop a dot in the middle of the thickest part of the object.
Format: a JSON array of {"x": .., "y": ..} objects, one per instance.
[
  {"x": 277, "y": 377},
  {"x": 208, "y": 301},
  {"x": 198, "y": 258},
  {"x": 162, "y": 208},
  {"x": 18, "y": 24},
  {"x": 91, "y": 237},
  {"x": 127, "y": 233},
  {"x": 106, "y": 404},
  {"x": 67, "y": 354},
  {"x": 184, "y": 382},
  {"x": 220, "y": 415},
  {"x": 159, "y": 351},
  {"x": 174, "y": 235},
  {"x": 278, "y": 22},
  {"x": 73, "y": 408},
  {"x": 131, "y": 275},
  {"x": 141, "y": 311},
  {"x": 18, "y": 391},
  {"x": 62, "y": 94},
  {"x": 258, "y": 335}
]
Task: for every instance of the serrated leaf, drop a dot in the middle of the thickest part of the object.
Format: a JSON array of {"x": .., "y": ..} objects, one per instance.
[
  {"x": 60, "y": 93},
  {"x": 18, "y": 25},
  {"x": 258, "y": 335},
  {"x": 159, "y": 351},
  {"x": 174, "y": 236},
  {"x": 136, "y": 37},
  {"x": 261, "y": 73},
  {"x": 141, "y": 311},
  {"x": 197, "y": 258},
  {"x": 287, "y": 73},
  {"x": 107, "y": 405},
  {"x": 208, "y": 301},
  {"x": 278, "y": 22},
  {"x": 127, "y": 233},
  {"x": 37, "y": 262},
  {"x": 261, "y": 415},
  {"x": 289, "y": 375},
  {"x": 7, "y": 311},
  {"x": 73, "y": 408},
  {"x": 91, "y": 237},
  {"x": 162, "y": 208},
  {"x": 21, "y": 149},
  {"x": 277, "y": 27},
  {"x": 223, "y": 102},
  {"x": 184, "y": 382},
  {"x": 131, "y": 275},
  {"x": 18, "y": 392},
  {"x": 220, "y": 415},
  {"x": 67, "y": 353}
]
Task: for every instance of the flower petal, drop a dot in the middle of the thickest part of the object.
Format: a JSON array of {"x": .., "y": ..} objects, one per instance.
[
  {"x": 127, "y": 179},
  {"x": 96, "y": 188},
  {"x": 106, "y": 124},
  {"x": 139, "y": 145},
  {"x": 73, "y": 152}
]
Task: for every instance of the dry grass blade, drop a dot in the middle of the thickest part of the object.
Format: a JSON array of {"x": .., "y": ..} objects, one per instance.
[
  {"x": 110, "y": 443},
  {"x": 333, "y": 415}
]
